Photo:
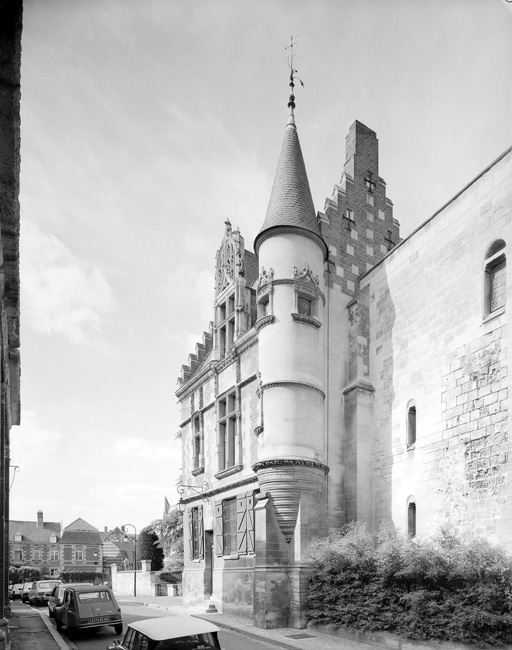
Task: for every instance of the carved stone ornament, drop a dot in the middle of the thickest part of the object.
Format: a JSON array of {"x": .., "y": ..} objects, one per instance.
[
  {"x": 229, "y": 260},
  {"x": 306, "y": 275},
  {"x": 265, "y": 277}
]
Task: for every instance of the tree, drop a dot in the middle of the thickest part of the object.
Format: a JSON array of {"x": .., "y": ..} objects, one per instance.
[
  {"x": 148, "y": 548},
  {"x": 170, "y": 539},
  {"x": 29, "y": 574}
]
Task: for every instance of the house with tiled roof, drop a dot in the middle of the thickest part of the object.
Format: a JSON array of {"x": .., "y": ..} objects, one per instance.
[
  {"x": 35, "y": 543},
  {"x": 81, "y": 547},
  {"x": 118, "y": 548}
]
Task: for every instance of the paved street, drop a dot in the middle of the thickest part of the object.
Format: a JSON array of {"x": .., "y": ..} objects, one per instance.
[{"x": 100, "y": 639}]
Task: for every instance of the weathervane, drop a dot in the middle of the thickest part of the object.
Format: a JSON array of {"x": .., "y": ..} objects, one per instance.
[{"x": 293, "y": 71}]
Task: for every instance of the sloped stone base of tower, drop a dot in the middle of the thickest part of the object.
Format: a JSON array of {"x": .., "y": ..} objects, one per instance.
[{"x": 281, "y": 574}]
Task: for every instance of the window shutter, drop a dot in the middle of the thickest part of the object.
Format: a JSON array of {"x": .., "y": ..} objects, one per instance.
[
  {"x": 241, "y": 524},
  {"x": 201, "y": 531},
  {"x": 190, "y": 534},
  {"x": 219, "y": 529},
  {"x": 250, "y": 522}
]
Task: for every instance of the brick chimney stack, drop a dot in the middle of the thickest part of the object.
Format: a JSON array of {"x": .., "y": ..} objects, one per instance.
[{"x": 40, "y": 522}]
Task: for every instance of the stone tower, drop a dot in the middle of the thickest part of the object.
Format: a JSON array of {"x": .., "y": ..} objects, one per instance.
[{"x": 291, "y": 466}]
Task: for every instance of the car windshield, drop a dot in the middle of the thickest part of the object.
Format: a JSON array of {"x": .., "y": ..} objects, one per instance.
[
  {"x": 191, "y": 642},
  {"x": 93, "y": 596},
  {"x": 46, "y": 585}
]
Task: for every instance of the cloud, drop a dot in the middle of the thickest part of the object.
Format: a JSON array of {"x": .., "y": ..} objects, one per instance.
[{"x": 62, "y": 293}]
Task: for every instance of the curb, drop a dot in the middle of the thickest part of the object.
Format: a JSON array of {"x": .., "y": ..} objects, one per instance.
[{"x": 63, "y": 645}]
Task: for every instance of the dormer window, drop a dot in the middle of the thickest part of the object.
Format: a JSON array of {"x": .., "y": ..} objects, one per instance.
[
  {"x": 18, "y": 537},
  {"x": 53, "y": 539},
  {"x": 304, "y": 306}
]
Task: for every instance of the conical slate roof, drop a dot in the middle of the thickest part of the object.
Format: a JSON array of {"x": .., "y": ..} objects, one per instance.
[{"x": 290, "y": 202}]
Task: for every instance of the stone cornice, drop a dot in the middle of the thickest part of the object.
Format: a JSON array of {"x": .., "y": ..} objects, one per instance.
[
  {"x": 289, "y": 230},
  {"x": 307, "y": 320},
  {"x": 300, "y": 384},
  {"x": 262, "y": 322},
  {"x": 297, "y": 282},
  {"x": 359, "y": 385},
  {"x": 224, "y": 488},
  {"x": 290, "y": 462}
]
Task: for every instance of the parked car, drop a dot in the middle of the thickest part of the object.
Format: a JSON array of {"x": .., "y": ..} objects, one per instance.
[
  {"x": 88, "y": 606},
  {"x": 57, "y": 595},
  {"x": 41, "y": 589},
  {"x": 179, "y": 632},
  {"x": 15, "y": 591},
  {"x": 27, "y": 586}
]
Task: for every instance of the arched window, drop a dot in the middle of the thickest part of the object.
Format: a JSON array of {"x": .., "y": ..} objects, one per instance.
[
  {"x": 411, "y": 423},
  {"x": 411, "y": 516},
  {"x": 495, "y": 278}
]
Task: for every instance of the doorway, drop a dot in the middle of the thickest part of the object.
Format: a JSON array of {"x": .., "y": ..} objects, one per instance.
[{"x": 208, "y": 562}]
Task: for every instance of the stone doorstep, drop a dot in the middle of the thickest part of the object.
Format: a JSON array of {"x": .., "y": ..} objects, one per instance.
[{"x": 391, "y": 641}]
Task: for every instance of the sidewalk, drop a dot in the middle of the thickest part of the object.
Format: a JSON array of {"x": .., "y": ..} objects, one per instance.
[
  {"x": 287, "y": 637},
  {"x": 31, "y": 630}
]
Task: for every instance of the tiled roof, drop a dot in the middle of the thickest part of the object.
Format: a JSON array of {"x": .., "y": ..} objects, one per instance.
[
  {"x": 80, "y": 537},
  {"x": 32, "y": 533},
  {"x": 291, "y": 203}
]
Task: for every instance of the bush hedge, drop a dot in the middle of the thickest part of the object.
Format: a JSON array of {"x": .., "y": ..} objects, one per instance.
[{"x": 444, "y": 587}]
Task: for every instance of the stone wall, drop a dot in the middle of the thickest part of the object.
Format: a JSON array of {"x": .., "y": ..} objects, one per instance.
[{"x": 432, "y": 342}]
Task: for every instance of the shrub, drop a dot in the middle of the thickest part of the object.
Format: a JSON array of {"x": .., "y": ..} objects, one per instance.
[
  {"x": 439, "y": 588},
  {"x": 171, "y": 577}
]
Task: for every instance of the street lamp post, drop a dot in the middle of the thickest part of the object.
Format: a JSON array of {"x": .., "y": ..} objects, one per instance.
[{"x": 123, "y": 528}]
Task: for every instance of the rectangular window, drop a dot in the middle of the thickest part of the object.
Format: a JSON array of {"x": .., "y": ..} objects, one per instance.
[
  {"x": 79, "y": 554},
  {"x": 369, "y": 199},
  {"x": 37, "y": 554},
  {"x": 304, "y": 306},
  {"x": 196, "y": 533},
  {"x": 197, "y": 451},
  {"x": 227, "y": 431},
  {"x": 18, "y": 554},
  {"x": 54, "y": 553},
  {"x": 226, "y": 325},
  {"x": 234, "y": 525},
  {"x": 229, "y": 526}
]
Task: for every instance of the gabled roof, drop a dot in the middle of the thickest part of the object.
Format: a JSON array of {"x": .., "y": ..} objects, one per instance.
[
  {"x": 33, "y": 533},
  {"x": 80, "y": 525},
  {"x": 291, "y": 203}
]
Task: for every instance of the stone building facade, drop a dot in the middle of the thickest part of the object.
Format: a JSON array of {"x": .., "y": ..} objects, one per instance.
[
  {"x": 10, "y": 94},
  {"x": 347, "y": 375}
]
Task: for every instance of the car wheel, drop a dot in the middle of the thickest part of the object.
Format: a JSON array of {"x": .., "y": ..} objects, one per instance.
[{"x": 118, "y": 628}]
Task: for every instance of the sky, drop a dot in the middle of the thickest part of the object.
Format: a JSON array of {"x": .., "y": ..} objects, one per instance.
[{"x": 144, "y": 125}]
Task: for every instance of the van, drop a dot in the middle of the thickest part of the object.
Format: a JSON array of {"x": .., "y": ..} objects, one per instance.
[
  {"x": 41, "y": 589},
  {"x": 88, "y": 606},
  {"x": 56, "y": 597}
]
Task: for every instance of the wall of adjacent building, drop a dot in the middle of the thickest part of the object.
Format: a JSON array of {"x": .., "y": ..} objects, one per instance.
[{"x": 430, "y": 342}]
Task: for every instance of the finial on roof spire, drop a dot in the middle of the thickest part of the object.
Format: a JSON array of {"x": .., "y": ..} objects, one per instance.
[{"x": 291, "y": 101}]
